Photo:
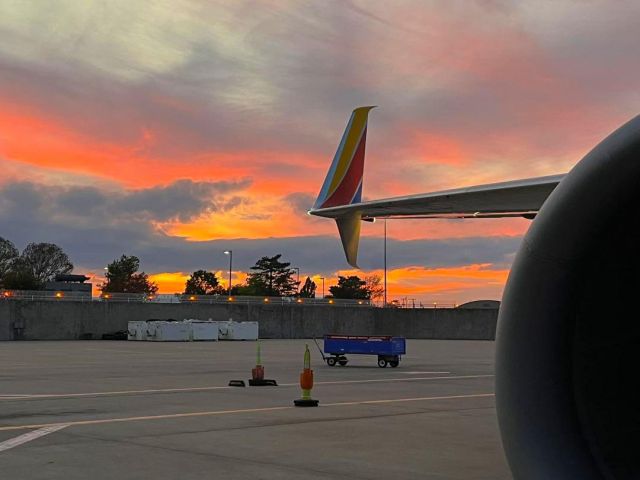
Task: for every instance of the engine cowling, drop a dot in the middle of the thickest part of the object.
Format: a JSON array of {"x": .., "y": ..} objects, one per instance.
[{"x": 568, "y": 339}]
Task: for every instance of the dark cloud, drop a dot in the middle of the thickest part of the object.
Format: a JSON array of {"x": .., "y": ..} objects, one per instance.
[
  {"x": 94, "y": 234},
  {"x": 182, "y": 200}
]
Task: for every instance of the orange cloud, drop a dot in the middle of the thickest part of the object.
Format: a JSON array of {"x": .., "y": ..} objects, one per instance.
[
  {"x": 34, "y": 138},
  {"x": 174, "y": 282},
  {"x": 444, "y": 285},
  {"x": 169, "y": 282}
]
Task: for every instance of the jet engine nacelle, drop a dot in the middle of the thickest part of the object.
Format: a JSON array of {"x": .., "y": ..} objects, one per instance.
[{"x": 568, "y": 340}]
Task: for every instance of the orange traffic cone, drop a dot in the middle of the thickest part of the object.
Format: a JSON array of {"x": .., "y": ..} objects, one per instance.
[
  {"x": 257, "y": 373},
  {"x": 306, "y": 383}
]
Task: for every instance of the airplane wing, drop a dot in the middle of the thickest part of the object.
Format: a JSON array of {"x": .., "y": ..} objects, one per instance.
[{"x": 340, "y": 196}]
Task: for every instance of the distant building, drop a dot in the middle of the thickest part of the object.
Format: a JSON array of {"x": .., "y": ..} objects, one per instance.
[
  {"x": 484, "y": 304},
  {"x": 74, "y": 285}
]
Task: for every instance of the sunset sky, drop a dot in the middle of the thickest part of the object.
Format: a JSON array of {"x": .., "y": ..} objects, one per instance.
[{"x": 174, "y": 130}]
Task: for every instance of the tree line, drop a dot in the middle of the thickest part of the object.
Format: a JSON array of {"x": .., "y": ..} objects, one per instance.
[
  {"x": 30, "y": 270},
  {"x": 270, "y": 277}
]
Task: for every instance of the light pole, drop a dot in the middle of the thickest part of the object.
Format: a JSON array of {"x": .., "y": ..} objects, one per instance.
[
  {"x": 322, "y": 278},
  {"x": 385, "y": 262},
  {"x": 230, "y": 253}
]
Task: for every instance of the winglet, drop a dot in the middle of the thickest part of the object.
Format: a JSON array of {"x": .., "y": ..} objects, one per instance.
[
  {"x": 343, "y": 183},
  {"x": 349, "y": 228}
]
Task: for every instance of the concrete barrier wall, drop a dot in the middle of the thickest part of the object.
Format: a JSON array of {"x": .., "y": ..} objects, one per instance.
[{"x": 49, "y": 320}]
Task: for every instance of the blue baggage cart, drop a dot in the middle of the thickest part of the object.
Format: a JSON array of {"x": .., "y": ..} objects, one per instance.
[{"x": 388, "y": 349}]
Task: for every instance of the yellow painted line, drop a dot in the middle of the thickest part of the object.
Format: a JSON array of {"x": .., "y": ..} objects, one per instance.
[
  {"x": 27, "y": 396},
  {"x": 115, "y": 392},
  {"x": 227, "y": 412},
  {"x": 414, "y": 399},
  {"x": 422, "y": 373},
  {"x": 404, "y": 379}
]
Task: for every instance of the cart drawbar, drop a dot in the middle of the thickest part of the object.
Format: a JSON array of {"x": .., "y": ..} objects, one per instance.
[{"x": 388, "y": 349}]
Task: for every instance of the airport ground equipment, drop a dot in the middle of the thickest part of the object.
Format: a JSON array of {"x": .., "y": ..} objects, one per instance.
[
  {"x": 171, "y": 332},
  {"x": 203, "y": 330},
  {"x": 189, "y": 330},
  {"x": 238, "y": 330},
  {"x": 388, "y": 349},
  {"x": 137, "y": 330}
]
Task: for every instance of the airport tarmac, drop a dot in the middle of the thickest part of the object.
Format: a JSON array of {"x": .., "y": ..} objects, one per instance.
[{"x": 143, "y": 410}]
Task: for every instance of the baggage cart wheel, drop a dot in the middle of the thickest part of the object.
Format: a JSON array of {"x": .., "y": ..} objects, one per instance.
[
  {"x": 343, "y": 362},
  {"x": 382, "y": 362},
  {"x": 394, "y": 363},
  {"x": 331, "y": 361}
]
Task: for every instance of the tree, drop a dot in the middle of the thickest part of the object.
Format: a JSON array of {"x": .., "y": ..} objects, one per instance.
[
  {"x": 46, "y": 260},
  {"x": 350, "y": 287},
  {"x": 122, "y": 277},
  {"x": 202, "y": 282},
  {"x": 8, "y": 254},
  {"x": 374, "y": 286},
  {"x": 20, "y": 276},
  {"x": 271, "y": 278},
  {"x": 308, "y": 290}
]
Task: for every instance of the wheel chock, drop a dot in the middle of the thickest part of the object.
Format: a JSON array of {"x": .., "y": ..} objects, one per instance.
[{"x": 262, "y": 382}]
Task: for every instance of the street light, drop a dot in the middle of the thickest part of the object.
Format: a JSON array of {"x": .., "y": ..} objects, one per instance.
[
  {"x": 322, "y": 278},
  {"x": 230, "y": 253},
  {"x": 385, "y": 263}
]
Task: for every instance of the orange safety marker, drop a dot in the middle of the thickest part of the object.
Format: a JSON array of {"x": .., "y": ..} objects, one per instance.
[
  {"x": 306, "y": 383},
  {"x": 257, "y": 373}
]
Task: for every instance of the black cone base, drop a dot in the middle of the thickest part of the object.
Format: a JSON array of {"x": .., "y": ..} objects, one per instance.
[
  {"x": 236, "y": 383},
  {"x": 263, "y": 383},
  {"x": 306, "y": 403}
]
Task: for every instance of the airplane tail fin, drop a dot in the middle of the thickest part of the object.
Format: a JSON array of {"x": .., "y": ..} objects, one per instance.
[{"x": 343, "y": 184}]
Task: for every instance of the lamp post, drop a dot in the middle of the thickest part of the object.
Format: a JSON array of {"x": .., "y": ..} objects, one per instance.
[
  {"x": 385, "y": 262},
  {"x": 230, "y": 253},
  {"x": 322, "y": 278}
]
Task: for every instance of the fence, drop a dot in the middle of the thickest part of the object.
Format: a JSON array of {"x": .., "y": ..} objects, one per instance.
[{"x": 62, "y": 296}]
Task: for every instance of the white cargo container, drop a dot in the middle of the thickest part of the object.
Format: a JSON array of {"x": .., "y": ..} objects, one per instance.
[
  {"x": 137, "y": 330},
  {"x": 170, "y": 332},
  {"x": 202, "y": 330},
  {"x": 245, "y": 331},
  {"x": 238, "y": 330},
  {"x": 151, "y": 329}
]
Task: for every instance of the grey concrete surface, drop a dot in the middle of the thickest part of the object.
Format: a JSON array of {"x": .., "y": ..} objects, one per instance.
[
  {"x": 66, "y": 320},
  {"x": 163, "y": 411}
]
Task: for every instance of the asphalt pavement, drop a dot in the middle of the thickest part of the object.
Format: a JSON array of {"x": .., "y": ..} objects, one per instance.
[{"x": 145, "y": 410}]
